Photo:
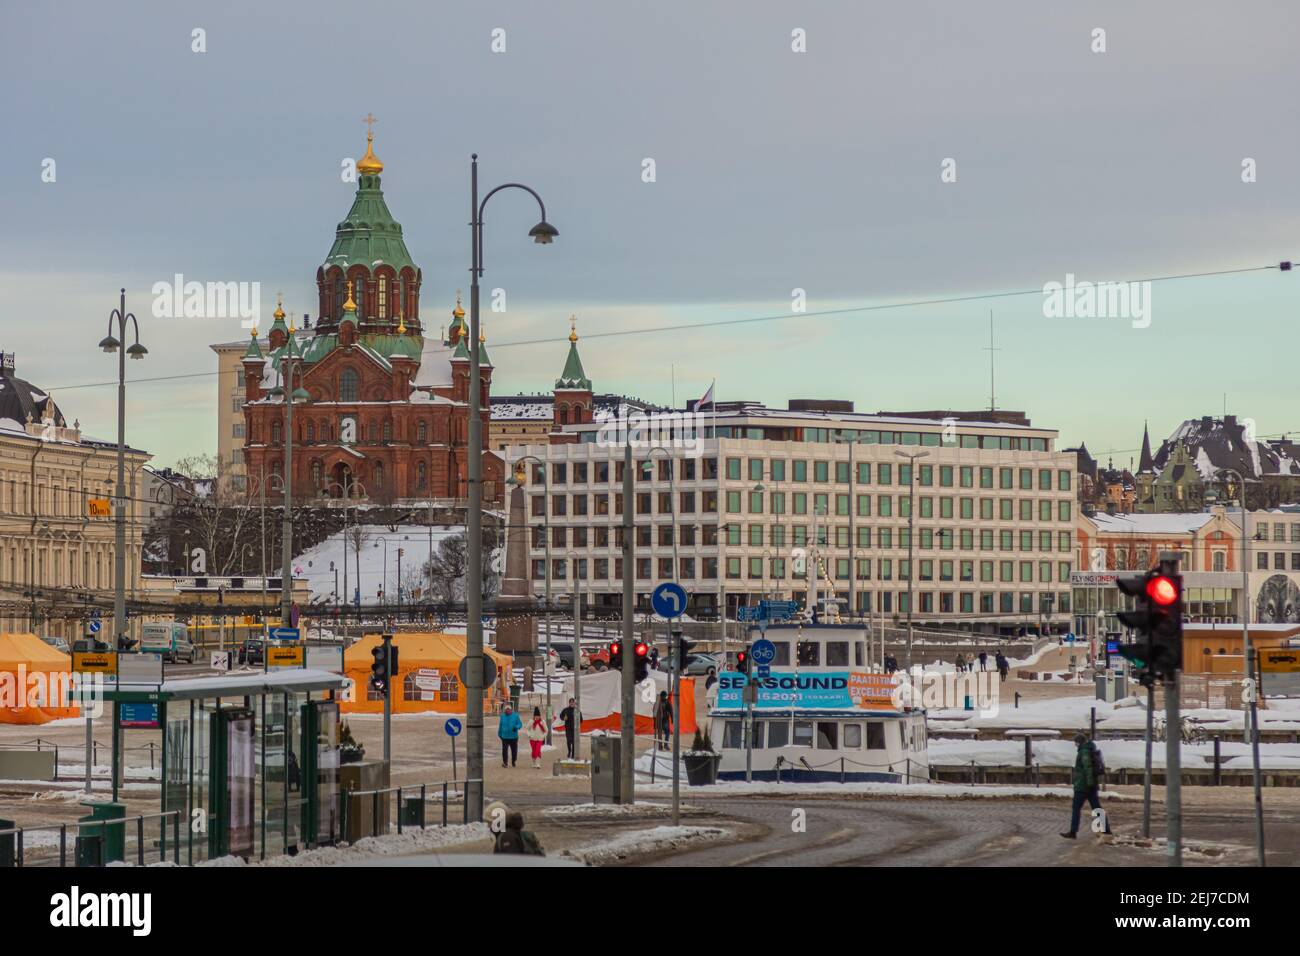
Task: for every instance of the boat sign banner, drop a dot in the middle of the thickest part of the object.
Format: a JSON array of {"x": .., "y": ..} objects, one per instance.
[{"x": 822, "y": 690}]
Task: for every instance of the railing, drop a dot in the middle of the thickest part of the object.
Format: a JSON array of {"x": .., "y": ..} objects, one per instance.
[
  {"x": 380, "y": 814},
  {"x": 26, "y": 852},
  {"x": 40, "y": 744},
  {"x": 843, "y": 762}
]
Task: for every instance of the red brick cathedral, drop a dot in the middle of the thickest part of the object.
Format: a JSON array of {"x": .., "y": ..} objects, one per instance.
[{"x": 379, "y": 410}]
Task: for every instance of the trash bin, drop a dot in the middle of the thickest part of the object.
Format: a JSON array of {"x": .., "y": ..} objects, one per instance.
[
  {"x": 89, "y": 848},
  {"x": 8, "y": 842},
  {"x": 514, "y": 695},
  {"x": 412, "y": 812},
  {"x": 113, "y": 835}
]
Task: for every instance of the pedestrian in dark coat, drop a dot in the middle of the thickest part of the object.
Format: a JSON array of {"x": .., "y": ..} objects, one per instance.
[
  {"x": 570, "y": 717},
  {"x": 1087, "y": 783}
]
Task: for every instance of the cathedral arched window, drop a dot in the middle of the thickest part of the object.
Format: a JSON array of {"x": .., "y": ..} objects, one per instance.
[
  {"x": 422, "y": 431},
  {"x": 311, "y": 433},
  {"x": 340, "y": 296},
  {"x": 379, "y": 476},
  {"x": 388, "y": 432},
  {"x": 317, "y": 473},
  {"x": 383, "y": 297},
  {"x": 421, "y": 475},
  {"x": 275, "y": 433},
  {"x": 348, "y": 385}
]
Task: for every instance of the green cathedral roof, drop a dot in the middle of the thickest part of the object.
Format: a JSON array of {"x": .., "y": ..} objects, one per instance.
[
  {"x": 369, "y": 234},
  {"x": 573, "y": 375}
]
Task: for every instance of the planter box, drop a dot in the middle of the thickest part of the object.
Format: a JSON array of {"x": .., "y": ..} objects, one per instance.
[{"x": 701, "y": 769}]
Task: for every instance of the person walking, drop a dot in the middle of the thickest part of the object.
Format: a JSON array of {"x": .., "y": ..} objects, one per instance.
[
  {"x": 536, "y": 736},
  {"x": 1002, "y": 665},
  {"x": 654, "y": 657},
  {"x": 663, "y": 718},
  {"x": 984, "y": 657},
  {"x": 1089, "y": 769},
  {"x": 570, "y": 717},
  {"x": 961, "y": 664},
  {"x": 508, "y": 728}
]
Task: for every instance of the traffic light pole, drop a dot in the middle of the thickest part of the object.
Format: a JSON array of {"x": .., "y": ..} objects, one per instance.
[
  {"x": 1173, "y": 773},
  {"x": 1146, "y": 782},
  {"x": 676, "y": 653},
  {"x": 1254, "y": 751},
  {"x": 628, "y": 717},
  {"x": 388, "y": 701},
  {"x": 577, "y": 669}
]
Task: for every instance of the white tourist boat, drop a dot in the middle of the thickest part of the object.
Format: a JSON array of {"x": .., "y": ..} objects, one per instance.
[{"x": 821, "y": 714}]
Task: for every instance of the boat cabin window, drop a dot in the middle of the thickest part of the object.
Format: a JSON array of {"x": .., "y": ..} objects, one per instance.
[
  {"x": 732, "y": 736},
  {"x": 803, "y": 736},
  {"x": 810, "y": 653},
  {"x": 875, "y": 735},
  {"x": 782, "y": 658},
  {"x": 859, "y": 653},
  {"x": 778, "y": 733},
  {"x": 837, "y": 653},
  {"x": 852, "y": 736},
  {"x": 827, "y": 735},
  {"x": 902, "y": 734}
]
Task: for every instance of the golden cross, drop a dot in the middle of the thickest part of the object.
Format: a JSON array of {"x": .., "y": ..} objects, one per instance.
[{"x": 370, "y": 121}]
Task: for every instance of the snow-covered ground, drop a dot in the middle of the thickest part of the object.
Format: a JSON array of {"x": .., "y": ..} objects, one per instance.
[
  {"x": 1118, "y": 754},
  {"x": 313, "y": 565},
  {"x": 943, "y": 790},
  {"x": 621, "y": 811},
  {"x": 1075, "y": 713},
  {"x": 639, "y": 842}
]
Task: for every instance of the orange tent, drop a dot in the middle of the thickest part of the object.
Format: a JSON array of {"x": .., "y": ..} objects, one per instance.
[
  {"x": 427, "y": 669},
  {"x": 34, "y": 681}
]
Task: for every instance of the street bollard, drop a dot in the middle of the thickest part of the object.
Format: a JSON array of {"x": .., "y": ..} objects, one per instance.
[
  {"x": 1218, "y": 768},
  {"x": 1017, "y": 699},
  {"x": 1029, "y": 752}
]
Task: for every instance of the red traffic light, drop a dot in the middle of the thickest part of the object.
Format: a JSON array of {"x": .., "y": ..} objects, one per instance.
[
  {"x": 641, "y": 649},
  {"x": 1162, "y": 591},
  {"x": 614, "y": 647}
]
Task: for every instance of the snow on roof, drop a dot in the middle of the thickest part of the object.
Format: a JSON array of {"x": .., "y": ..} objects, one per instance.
[
  {"x": 1176, "y": 523},
  {"x": 435, "y": 368},
  {"x": 523, "y": 409}
]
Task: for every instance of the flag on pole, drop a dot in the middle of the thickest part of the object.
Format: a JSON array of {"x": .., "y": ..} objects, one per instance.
[{"x": 708, "y": 396}]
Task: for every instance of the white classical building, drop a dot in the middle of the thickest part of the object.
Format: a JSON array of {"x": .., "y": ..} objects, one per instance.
[{"x": 745, "y": 501}]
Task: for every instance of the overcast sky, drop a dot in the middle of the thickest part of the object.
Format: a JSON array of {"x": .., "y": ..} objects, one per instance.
[{"x": 775, "y": 170}]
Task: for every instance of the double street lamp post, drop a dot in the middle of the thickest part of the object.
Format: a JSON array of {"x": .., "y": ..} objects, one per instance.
[
  {"x": 542, "y": 233},
  {"x": 911, "y": 537},
  {"x": 518, "y": 478},
  {"x": 292, "y": 396}
]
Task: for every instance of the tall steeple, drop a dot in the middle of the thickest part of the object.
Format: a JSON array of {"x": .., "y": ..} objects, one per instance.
[
  {"x": 573, "y": 377},
  {"x": 1146, "y": 464}
]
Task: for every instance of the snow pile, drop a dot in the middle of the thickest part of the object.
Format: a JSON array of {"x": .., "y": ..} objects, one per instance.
[
  {"x": 639, "y": 842},
  {"x": 865, "y": 788},
  {"x": 392, "y": 844},
  {"x": 603, "y": 811}
]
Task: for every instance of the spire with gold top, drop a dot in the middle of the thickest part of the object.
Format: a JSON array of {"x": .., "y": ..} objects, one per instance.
[
  {"x": 458, "y": 329},
  {"x": 370, "y": 164},
  {"x": 573, "y": 378}
]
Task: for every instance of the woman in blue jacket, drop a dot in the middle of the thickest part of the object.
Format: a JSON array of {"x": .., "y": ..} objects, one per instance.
[{"x": 508, "y": 730}]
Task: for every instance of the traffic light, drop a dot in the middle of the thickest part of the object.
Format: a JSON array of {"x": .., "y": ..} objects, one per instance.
[
  {"x": 641, "y": 652},
  {"x": 616, "y": 655},
  {"x": 742, "y": 660},
  {"x": 684, "y": 656},
  {"x": 382, "y": 667},
  {"x": 1156, "y": 621}
]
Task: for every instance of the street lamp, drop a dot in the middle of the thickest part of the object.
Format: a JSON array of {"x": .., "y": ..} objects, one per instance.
[
  {"x": 543, "y": 233},
  {"x": 517, "y": 479},
  {"x": 137, "y": 351},
  {"x": 911, "y": 537}
]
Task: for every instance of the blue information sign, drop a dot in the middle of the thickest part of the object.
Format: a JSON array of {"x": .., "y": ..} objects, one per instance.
[
  {"x": 452, "y": 726},
  {"x": 140, "y": 716},
  {"x": 669, "y": 599},
  {"x": 283, "y": 634}
]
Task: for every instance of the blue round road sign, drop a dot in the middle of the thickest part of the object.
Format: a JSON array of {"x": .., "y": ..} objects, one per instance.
[
  {"x": 452, "y": 726},
  {"x": 763, "y": 652},
  {"x": 669, "y": 599}
]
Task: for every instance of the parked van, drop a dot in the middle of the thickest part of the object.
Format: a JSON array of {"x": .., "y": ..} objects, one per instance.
[{"x": 169, "y": 639}]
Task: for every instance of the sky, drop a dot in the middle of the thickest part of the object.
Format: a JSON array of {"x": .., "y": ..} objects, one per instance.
[{"x": 774, "y": 170}]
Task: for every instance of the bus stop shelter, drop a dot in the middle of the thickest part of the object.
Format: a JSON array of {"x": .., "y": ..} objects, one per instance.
[{"x": 249, "y": 759}]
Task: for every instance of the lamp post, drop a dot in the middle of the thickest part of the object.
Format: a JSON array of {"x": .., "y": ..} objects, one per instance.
[
  {"x": 517, "y": 478},
  {"x": 137, "y": 351},
  {"x": 292, "y": 396},
  {"x": 542, "y": 233},
  {"x": 911, "y": 538},
  {"x": 1249, "y": 651}
]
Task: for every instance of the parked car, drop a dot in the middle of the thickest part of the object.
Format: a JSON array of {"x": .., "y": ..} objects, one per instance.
[
  {"x": 170, "y": 639},
  {"x": 703, "y": 665},
  {"x": 58, "y": 643},
  {"x": 252, "y": 651}
]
